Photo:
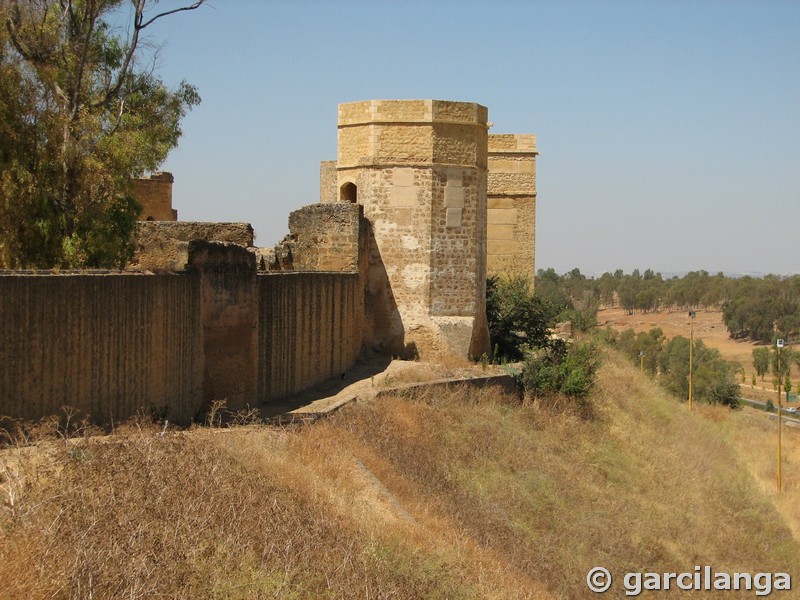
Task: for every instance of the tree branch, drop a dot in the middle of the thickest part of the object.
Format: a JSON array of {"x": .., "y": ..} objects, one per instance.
[
  {"x": 90, "y": 20},
  {"x": 173, "y": 11},
  {"x": 138, "y": 24}
]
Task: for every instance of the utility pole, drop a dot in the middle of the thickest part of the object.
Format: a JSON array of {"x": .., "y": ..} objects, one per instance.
[
  {"x": 692, "y": 315},
  {"x": 779, "y": 345},
  {"x": 641, "y": 361}
]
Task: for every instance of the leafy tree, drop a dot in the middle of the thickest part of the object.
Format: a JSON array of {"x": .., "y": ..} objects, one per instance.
[
  {"x": 628, "y": 290},
  {"x": 582, "y": 319},
  {"x": 761, "y": 361},
  {"x": 786, "y": 359},
  {"x": 518, "y": 319},
  {"x": 674, "y": 366},
  {"x": 714, "y": 379},
  {"x": 550, "y": 289},
  {"x": 81, "y": 113}
]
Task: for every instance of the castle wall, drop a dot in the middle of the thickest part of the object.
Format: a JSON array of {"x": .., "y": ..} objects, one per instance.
[
  {"x": 154, "y": 193},
  {"x": 114, "y": 345},
  {"x": 511, "y": 205},
  {"x": 326, "y": 237},
  {"x": 107, "y": 345},
  {"x": 309, "y": 329},
  {"x": 228, "y": 313}
]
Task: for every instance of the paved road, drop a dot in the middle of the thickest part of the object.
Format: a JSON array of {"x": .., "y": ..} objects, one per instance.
[{"x": 789, "y": 419}]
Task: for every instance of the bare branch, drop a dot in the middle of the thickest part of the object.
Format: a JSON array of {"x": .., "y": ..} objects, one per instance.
[
  {"x": 118, "y": 120},
  {"x": 90, "y": 19},
  {"x": 197, "y": 4},
  {"x": 138, "y": 24},
  {"x": 12, "y": 26}
]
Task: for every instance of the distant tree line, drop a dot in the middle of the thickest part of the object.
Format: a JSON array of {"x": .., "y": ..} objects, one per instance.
[{"x": 760, "y": 309}]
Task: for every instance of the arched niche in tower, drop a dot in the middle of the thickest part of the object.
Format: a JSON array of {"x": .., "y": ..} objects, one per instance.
[{"x": 348, "y": 192}]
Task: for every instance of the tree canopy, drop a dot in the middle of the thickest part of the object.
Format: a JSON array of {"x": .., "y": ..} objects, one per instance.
[
  {"x": 81, "y": 113},
  {"x": 518, "y": 319}
]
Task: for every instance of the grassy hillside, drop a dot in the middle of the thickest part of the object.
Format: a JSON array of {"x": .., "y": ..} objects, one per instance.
[{"x": 460, "y": 495}]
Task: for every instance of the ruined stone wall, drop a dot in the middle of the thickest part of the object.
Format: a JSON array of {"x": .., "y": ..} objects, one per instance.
[
  {"x": 420, "y": 169},
  {"x": 161, "y": 246},
  {"x": 309, "y": 329},
  {"x": 154, "y": 193},
  {"x": 511, "y": 204},
  {"x": 325, "y": 237},
  {"x": 107, "y": 345}
]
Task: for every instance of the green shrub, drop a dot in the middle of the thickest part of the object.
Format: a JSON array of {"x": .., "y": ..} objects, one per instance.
[{"x": 559, "y": 369}]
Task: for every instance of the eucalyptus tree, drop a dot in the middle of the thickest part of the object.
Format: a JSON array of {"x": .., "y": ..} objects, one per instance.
[{"x": 82, "y": 111}]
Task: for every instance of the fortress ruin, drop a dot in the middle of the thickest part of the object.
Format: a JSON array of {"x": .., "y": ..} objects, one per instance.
[{"x": 421, "y": 204}]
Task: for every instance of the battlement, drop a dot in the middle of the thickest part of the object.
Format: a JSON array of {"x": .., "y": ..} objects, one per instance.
[
  {"x": 411, "y": 132},
  {"x": 411, "y": 111},
  {"x": 512, "y": 143}
]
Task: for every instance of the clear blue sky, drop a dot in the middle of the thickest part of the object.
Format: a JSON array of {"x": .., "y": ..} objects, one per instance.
[{"x": 669, "y": 131}]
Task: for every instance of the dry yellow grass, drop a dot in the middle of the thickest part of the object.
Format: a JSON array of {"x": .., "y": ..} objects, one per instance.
[{"x": 464, "y": 494}]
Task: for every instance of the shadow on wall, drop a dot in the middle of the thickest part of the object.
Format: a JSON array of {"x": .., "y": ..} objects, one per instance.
[{"x": 384, "y": 332}]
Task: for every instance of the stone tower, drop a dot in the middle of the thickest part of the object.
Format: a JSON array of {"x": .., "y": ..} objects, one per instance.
[
  {"x": 154, "y": 193},
  {"x": 419, "y": 168},
  {"x": 511, "y": 204}
]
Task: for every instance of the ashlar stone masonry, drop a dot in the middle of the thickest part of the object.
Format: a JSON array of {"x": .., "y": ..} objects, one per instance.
[{"x": 435, "y": 188}]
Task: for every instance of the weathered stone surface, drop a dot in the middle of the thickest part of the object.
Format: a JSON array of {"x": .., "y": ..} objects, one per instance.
[
  {"x": 511, "y": 193},
  {"x": 161, "y": 246},
  {"x": 420, "y": 170},
  {"x": 327, "y": 181},
  {"x": 114, "y": 345},
  {"x": 309, "y": 329},
  {"x": 109, "y": 346},
  {"x": 228, "y": 313},
  {"x": 154, "y": 193},
  {"x": 322, "y": 237}
]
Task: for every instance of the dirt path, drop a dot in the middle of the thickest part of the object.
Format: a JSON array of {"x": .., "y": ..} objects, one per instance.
[{"x": 364, "y": 381}]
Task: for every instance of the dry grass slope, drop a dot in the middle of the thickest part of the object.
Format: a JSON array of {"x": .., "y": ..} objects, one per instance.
[{"x": 455, "y": 495}]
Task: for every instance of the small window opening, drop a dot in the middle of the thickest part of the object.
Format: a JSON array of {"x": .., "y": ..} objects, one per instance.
[{"x": 349, "y": 193}]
